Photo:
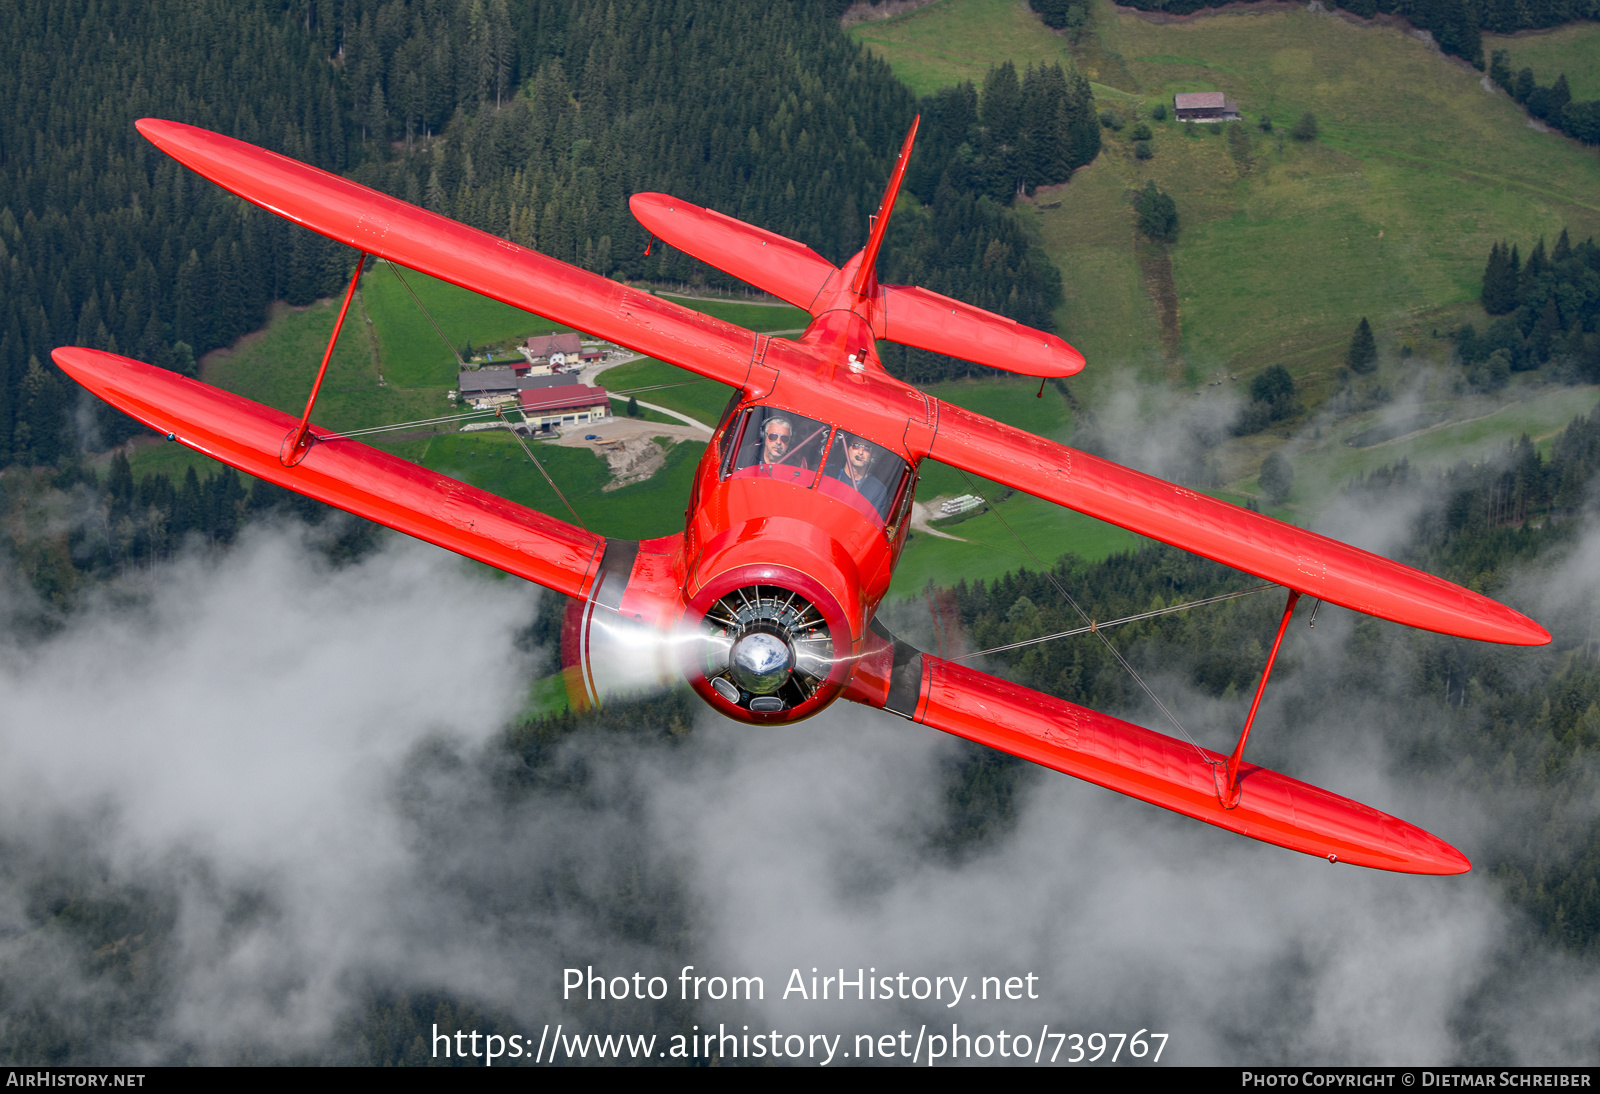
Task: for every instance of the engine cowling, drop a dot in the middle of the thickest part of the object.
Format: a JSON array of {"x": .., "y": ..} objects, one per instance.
[
  {"x": 773, "y": 644},
  {"x": 760, "y": 642}
]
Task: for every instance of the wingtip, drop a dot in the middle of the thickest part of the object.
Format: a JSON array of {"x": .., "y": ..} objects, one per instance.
[
  {"x": 81, "y": 363},
  {"x": 1067, "y": 360},
  {"x": 70, "y": 358},
  {"x": 1441, "y": 860},
  {"x": 166, "y": 134},
  {"x": 1516, "y": 629},
  {"x": 1075, "y": 361}
]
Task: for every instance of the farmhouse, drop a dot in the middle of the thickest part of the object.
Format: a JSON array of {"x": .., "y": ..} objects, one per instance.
[
  {"x": 563, "y": 405},
  {"x": 1204, "y": 106},
  {"x": 548, "y": 346}
]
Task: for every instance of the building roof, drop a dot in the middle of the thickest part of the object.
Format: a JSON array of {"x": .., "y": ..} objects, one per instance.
[
  {"x": 543, "y": 345},
  {"x": 559, "y": 379},
  {"x": 486, "y": 381},
  {"x": 566, "y": 397},
  {"x": 1200, "y": 100},
  {"x": 505, "y": 381}
]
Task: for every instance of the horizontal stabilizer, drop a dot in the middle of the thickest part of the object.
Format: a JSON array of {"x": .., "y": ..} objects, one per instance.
[
  {"x": 1143, "y": 764},
  {"x": 789, "y": 270},
  {"x": 344, "y": 473},
  {"x": 908, "y": 315},
  {"x": 922, "y": 318},
  {"x": 1293, "y": 557}
]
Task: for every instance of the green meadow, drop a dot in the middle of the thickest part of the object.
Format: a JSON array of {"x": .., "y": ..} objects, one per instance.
[
  {"x": 955, "y": 40},
  {"x": 1389, "y": 214},
  {"x": 414, "y": 354},
  {"x": 277, "y": 365},
  {"x": 412, "y": 351},
  {"x": 670, "y": 386},
  {"x": 991, "y": 549},
  {"x": 1471, "y": 429},
  {"x": 493, "y": 461},
  {"x": 1573, "y": 49}
]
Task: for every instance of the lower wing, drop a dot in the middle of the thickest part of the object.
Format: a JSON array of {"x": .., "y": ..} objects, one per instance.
[
  {"x": 345, "y": 473},
  {"x": 1138, "y": 762}
]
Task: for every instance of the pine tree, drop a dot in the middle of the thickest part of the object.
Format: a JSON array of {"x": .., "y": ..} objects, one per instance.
[
  {"x": 1563, "y": 249},
  {"x": 1363, "y": 353},
  {"x": 1499, "y": 282},
  {"x": 1537, "y": 261}
]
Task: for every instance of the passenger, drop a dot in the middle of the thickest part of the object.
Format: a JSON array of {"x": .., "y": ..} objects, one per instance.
[{"x": 857, "y": 473}]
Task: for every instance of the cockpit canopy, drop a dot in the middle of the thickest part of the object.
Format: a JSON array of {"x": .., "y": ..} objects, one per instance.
[{"x": 770, "y": 442}]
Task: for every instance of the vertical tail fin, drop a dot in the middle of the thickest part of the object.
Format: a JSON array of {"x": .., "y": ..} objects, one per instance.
[{"x": 865, "y": 273}]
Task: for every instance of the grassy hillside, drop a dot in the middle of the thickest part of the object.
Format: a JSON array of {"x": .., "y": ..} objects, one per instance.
[
  {"x": 496, "y": 463},
  {"x": 1390, "y": 214},
  {"x": 991, "y": 550},
  {"x": 1471, "y": 428},
  {"x": 391, "y": 366},
  {"x": 667, "y": 385},
  {"x": 1283, "y": 245},
  {"x": 957, "y": 40},
  {"x": 1573, "y": 49}
]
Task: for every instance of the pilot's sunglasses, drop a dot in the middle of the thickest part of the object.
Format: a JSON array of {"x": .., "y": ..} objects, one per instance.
[{"x": 777, "y": 436}]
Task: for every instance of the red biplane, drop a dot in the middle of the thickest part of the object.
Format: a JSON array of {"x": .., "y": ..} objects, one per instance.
[{"x": 766, "y": 600}]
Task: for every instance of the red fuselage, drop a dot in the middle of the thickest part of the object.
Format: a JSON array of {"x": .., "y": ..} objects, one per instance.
[{"x": 804, "y": 534}]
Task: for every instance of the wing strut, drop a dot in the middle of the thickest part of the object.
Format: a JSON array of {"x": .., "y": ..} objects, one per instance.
[
  {"x": 298, "y": 442},
  {"x": 1228, "y": 794}
]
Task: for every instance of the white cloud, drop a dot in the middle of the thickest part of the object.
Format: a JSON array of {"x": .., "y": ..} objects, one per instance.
[{"x": 300, "y": 765}]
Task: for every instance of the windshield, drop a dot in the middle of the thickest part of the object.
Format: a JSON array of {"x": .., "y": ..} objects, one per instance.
[
  {"x": 779, "y": 444},
  {"x": 862, "y": 474}
]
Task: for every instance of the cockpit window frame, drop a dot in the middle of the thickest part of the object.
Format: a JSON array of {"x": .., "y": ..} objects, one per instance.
[
  {"x": 736, "y": 441},
  {"x": 731, "y": 437}
]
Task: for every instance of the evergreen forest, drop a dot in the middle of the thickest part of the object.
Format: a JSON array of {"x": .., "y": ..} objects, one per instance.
[{"x": 534, "y": 124}]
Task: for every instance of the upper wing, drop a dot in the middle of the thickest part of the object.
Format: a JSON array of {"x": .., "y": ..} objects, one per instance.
[
  {"x": 381, "y": 225},
  {"x": 789, "y": 270},
  {"x": 345, "y": 473},
  {"x": 923, "y": 318},
  {"x": 1139, "y": 762},
  {"x": 1293, "y": 557}
]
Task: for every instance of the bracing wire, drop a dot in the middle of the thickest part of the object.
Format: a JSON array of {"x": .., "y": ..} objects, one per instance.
[
  {"x": 1096, "y": 627},
  {"x": 497, "y": 412},
  {"x": 524, "y": 444},
  {"x": 443, "y": 419},
  {"x": 1093, "y": 628},
  {"x": 407, "y": 285}
]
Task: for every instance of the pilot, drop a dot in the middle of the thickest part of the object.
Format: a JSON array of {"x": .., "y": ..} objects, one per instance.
[
  {"x": 775, "y": 464},
  {"x": 857, "y": 473}
]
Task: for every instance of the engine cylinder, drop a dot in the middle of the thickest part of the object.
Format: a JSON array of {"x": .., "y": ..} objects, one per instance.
[{"x": 767, "y": 649}]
